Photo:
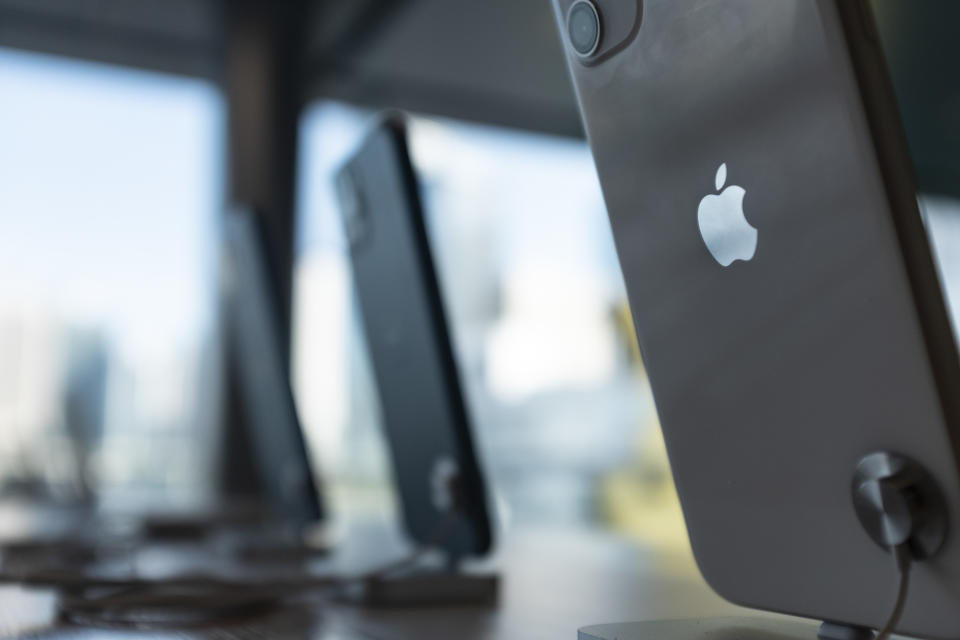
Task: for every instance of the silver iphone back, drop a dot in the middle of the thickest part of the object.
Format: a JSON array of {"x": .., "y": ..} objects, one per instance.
[{"x": 783, "y": 294}]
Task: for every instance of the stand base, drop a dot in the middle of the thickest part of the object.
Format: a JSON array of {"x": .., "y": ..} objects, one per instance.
[
  {"x": 704, "y": 629},
  {"x": 840, "y": 631},
  {"x": 426, "y": 590}
]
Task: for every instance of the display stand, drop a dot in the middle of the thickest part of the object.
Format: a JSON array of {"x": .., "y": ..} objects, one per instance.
[
  {"x": 426, "y": 588},
  {"x": 715, "y": 629},
  {"x": 423, "y": 580}
]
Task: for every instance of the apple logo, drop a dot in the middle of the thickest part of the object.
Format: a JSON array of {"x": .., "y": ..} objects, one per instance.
[{"x": 725, "y": 230}]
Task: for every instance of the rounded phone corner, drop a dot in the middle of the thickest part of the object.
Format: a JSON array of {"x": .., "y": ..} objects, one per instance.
[
  {"x": 721, "y": 579},
  {"x": 484, "y": 546}
]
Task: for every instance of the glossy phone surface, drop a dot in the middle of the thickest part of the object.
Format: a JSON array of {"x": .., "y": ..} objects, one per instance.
[
  {"x": 424, "y": 413},
  {"x": 782, "y": 290}
]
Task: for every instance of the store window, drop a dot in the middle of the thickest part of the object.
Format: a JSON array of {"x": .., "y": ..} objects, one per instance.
[{"x": 110, "y": 192}]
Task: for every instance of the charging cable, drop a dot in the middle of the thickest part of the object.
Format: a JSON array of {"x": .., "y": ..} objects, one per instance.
[
  {"x": 904, "y": 561},
  {"x": 200, "y": 600},
  {"x": 903, "y": 511}
]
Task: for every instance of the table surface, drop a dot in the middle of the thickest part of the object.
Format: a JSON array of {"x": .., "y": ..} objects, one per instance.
[{"x": 553, "y": 582}]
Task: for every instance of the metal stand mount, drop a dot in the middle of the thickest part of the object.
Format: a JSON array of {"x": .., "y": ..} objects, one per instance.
[
  {"x": 705, "y": 629},
  {"x": 426, "y": 588},
  {"x": 840, "y": 631}
]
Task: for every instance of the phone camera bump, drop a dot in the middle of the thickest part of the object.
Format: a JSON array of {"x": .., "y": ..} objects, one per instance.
[{"x": 583, "y": 27}]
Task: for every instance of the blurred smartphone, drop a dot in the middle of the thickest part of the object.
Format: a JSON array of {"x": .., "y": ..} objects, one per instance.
[
  {"x": 784, "y": 296},
  {"x": 253, "y": 329},
  {"x": 441, "y": 488}
]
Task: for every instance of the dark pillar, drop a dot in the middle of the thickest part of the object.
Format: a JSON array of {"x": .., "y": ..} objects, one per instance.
[{"x": 263, "y": 45}]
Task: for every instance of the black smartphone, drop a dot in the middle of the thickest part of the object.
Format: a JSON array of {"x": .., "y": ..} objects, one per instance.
[
  {"x": 278, "y": 446},
  {"x": 441, "y": 488},
  {"x": 784, "y": 296}
]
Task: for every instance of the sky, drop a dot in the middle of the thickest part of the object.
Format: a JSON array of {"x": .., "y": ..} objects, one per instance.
[{"x": 110, "y": 191}]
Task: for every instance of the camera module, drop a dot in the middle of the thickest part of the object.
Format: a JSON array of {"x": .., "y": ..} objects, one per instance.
[{"x": 583, "y": 27}]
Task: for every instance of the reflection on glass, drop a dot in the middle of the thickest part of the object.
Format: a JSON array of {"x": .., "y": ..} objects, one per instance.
[
  {"x": 110, "y": 191},
  {"x": 942, "y": 217}
]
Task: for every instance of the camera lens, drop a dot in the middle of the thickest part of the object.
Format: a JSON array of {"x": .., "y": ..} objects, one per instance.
[{"x": 583, "y": 27}]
